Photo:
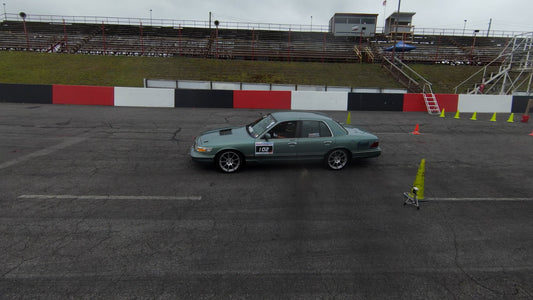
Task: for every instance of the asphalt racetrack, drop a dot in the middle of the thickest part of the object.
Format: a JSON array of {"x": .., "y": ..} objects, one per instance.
[{"x": 104, "y": 202}]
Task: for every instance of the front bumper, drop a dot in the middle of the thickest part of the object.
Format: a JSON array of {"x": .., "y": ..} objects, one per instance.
[{"x": 201, "y": 157}]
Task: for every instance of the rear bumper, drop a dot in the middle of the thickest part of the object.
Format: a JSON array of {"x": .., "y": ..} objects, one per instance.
[{"x": 368, "y": 153}]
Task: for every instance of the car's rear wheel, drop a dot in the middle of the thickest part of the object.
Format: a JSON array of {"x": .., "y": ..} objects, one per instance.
[
  {"x": 229, "y": 161},
  {"x": 337, "y": 159}
]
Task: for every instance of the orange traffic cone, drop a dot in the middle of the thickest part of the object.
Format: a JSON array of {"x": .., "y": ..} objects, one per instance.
[
  {"x": 416, "y": 130},
  {"x": 531, "y": 134}
]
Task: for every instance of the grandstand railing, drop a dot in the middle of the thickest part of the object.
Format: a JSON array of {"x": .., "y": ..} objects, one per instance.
[{"x": 239, "y": 25}]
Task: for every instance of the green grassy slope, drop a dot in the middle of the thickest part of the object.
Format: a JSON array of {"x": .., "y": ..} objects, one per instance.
[{"x": 72, "y": 69}]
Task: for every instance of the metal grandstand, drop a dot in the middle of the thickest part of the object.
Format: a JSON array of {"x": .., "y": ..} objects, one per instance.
[
  {"x": 84, "y": 35},
  {"x": 510, "y": 72}
]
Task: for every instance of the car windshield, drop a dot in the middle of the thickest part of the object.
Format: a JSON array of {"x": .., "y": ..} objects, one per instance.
[{"x": 260, "y": 125}]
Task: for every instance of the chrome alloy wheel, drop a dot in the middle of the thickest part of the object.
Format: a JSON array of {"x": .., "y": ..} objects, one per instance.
[
  {"x": 337, "y": 159},
  {"x": 229, "y": 161}
]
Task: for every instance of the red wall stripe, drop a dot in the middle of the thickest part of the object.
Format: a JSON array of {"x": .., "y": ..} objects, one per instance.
[
  {"x": 83, "y": 95},
  {"x": 262, "y": 99},
  {"x": 448, "y": 102},
  {"x": 415, "y": 102}
]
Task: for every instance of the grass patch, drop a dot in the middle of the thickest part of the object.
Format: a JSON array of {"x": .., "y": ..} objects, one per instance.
[{"x": 73, "y": 69}]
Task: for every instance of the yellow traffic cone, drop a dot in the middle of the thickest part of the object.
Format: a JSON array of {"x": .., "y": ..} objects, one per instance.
[
  {"x": 419, "y": 180},
  {"x": 493, "y": 119},
  {"x": 474, "y": 116},
  {"x": 456, "y": 115},
  {"x": 511, "y": 118},
  {"x": 442, "y": 113},
  {"x": 349, "y": 119}
]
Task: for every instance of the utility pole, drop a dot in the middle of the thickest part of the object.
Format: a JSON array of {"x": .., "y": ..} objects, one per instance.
[
  {"x": 398, "y": 16},
  {"x": 209, "y": 20},
  {"x": 395, "y": 33},
  {"x": 490, "y": 23}
]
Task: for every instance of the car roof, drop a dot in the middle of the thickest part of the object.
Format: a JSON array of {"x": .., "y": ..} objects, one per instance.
[{"x": 298, "y": 115}]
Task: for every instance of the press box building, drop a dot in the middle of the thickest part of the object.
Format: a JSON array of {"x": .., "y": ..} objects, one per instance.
[
  {"x": 358, "y": 25},
  {"x": 399, "y": 24}
]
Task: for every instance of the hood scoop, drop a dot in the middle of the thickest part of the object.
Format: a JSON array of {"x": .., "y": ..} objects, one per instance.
[{"x": 225, "y": 132}]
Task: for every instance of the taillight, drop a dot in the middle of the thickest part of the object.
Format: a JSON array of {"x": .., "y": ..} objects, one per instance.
[{"x": 374, "y": 145}]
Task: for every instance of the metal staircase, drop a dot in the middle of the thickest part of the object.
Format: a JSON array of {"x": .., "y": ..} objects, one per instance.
[
  {"x": 431, "y": 100},
  {"x": 364, "y": 54}
]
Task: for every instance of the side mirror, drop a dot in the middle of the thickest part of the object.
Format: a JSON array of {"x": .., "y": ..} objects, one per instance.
[{"x": 267, "y": 136}]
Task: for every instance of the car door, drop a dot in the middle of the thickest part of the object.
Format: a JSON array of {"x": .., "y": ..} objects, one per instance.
[
  {"x": 282, "y": 144},
  {"x": 315, "y": 139}
]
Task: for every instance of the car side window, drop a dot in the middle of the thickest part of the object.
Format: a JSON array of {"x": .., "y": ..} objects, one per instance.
[
  {"x": 284, "y": 130},
  {"x": 314, "y": 129}
]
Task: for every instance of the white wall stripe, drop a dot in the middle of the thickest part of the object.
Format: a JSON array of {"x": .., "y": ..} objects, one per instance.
[
  {"x": 485, "y": 103},
  {"x": 303, "y": 100},
  {"x": 144, "y": 97},
  {"x": 110, "y": 197}
]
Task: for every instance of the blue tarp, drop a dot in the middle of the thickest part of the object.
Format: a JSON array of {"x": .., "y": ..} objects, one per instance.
[{"x": 400, "y": 47}]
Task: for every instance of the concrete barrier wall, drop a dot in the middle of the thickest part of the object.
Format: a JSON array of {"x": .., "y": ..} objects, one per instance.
[
  {"x": 485, "y": 103},
  {"x": 26, "y": 93},
  {"x": 415, "y": 102},
  {"x": 252, "y": 99},
  {"x": 262, "y": 99},
  {"x": 203, "y": 98},
  {"x": 375, "y": 102},
  {"x": 83, "y": 95},
  {"x": 319, "y": 100},
  {"x": 142, "y": 97},
  {"x": 520, "y": 104}
]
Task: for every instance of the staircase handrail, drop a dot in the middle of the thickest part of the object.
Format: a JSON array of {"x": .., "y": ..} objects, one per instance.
[
  {"x": 401, "y": 71},
  {"x": 412, "y": 71}
]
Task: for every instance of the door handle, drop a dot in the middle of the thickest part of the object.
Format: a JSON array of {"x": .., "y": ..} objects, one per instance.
[
  {"x": 327, "y": 143},
  {"x": 292, "y": 143}
]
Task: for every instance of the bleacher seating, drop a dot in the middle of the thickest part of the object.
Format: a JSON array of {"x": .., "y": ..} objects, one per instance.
[{"x": 137, "y": 40}]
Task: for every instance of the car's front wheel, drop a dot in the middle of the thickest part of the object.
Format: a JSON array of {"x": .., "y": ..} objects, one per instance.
[
  {"x": 229, "y": 161},
  {"x": 337, "y": 159}
]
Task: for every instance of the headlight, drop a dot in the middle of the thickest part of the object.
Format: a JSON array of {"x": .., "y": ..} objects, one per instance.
[{"x": 202, "y": 149}]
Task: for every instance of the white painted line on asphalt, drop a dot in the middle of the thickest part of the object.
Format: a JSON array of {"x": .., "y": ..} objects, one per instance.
[
  {"x": 111, "y": 197},
  {"x": 43, "y": 152},
  {"x": 478, "y": 199}
]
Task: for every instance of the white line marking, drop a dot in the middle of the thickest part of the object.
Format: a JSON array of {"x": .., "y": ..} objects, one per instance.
[
  {"x": 110, "y": 197},
  {"x": 478, "y": 199},
  {"x": 43, "y": 152}
]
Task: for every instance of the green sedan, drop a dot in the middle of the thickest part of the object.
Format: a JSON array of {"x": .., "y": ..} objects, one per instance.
[{"x": 285, "y": 136}]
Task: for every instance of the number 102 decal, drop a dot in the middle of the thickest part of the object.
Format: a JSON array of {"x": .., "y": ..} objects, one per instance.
[{"x": 262, "y": 148}]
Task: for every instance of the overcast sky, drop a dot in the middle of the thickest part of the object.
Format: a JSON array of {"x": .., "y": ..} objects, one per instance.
[{"x": 513, "y": 15}]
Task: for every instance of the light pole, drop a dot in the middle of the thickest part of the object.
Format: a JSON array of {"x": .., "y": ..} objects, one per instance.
[
  {"x": 311, "y": 23},
  {"x": 5, "y": 13},
  {"x": 216, "y": 36},
  {"x": 464, "y": 27},
  {"x": 23, "y": 16},
  {"x": 150, "y": 17},
  {"x": 473, "y": 44}
]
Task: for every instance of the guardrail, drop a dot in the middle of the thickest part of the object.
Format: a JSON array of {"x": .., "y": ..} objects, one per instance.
[
  {"x": 240, "y": 25},
  {"x": 245, "y": 86},
  {"x": 165, "y": 22}
]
